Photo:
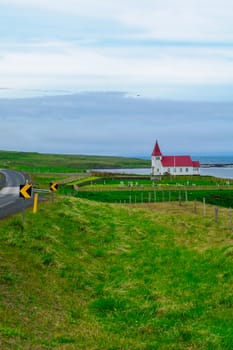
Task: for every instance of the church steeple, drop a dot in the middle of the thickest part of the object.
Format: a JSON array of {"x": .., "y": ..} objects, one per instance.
[
  {"x": 156, "y": 151},
  {"x": 156, "y": 159}
]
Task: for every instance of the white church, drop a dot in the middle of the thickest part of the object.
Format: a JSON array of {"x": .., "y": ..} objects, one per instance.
[{"x": 173, "y": 165}]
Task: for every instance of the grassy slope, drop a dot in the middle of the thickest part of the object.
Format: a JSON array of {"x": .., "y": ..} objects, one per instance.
[
  {"x": 85, "y": 275},
  {"x": 33, "y": 162}
]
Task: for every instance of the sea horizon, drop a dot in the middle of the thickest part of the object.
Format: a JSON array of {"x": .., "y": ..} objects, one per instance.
[
  {"x": 207, "y": 159},
  {"x": 218, "y": 172}
]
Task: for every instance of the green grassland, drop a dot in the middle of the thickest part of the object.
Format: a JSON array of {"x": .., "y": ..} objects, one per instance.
[
  {"x": 133, "y": 181},
  {"x": 216, "y": 197},
  {"x": 86, "y": 275},
  {"x": 120, "y": 189},
  {"x": 57, "y": 163},
  {"x": 121, "y": 275}
]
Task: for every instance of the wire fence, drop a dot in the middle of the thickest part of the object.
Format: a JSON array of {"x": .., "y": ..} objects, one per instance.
[
  {"x": 194, "y": 200},
  {"x": 182, "y": 203}
]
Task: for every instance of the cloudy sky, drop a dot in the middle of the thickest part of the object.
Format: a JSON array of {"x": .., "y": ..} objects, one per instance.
[{"x": 134, "y": 56}]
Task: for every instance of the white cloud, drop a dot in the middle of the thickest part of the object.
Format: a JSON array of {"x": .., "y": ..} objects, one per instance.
[
  {"x": 170, "y": 20},
  {"x": 186, "y": 22},
  {"x": 68, "y": 66},
  {"x": 141, "y": 65}
]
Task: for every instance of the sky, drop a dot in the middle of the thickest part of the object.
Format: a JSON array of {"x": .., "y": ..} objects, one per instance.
[{"x": 127, "y": 58}]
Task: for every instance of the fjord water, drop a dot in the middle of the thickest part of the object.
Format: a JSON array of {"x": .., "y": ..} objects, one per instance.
[
  {"x": 222, "y": 172},
  {"x": 217, "y": 166}
]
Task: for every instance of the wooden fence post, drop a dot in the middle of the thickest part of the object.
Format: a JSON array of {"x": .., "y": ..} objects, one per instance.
[
  {"x": 195, "y": 206},
  {"x": 204, "y": 207},
  {"x": 216, "y": 214},
  {"x": 231, "y": 218}
]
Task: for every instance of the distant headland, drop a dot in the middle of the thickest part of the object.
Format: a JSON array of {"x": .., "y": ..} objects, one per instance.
[{"x": 216, "y": 165}]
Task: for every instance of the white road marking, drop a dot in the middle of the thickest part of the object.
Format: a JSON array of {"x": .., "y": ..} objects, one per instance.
[
  {"x": 9, "y": 190},
  {"x": 5, "y": 204}
]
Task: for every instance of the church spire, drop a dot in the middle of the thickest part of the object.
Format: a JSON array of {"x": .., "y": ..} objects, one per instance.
[{"x": 156, "y": 150}]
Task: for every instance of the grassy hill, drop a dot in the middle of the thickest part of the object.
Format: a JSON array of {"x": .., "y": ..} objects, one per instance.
[
  {"x": 88, "y": 275},
  {"x": 40, "y": 162}
]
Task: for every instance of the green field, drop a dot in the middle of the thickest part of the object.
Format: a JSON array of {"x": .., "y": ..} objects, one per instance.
[
  {"x": 120, "y": 189},
  {"x": 57, "y": 163},
  {"x": 127, "y": 274},
  {"x": 215, "y": 197},
  {"x": 86, "y": 275}
]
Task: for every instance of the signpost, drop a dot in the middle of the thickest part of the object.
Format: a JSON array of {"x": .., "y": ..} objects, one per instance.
[
  {"x": 25, "y": 191},
  {"x": 53, "y": 189}
]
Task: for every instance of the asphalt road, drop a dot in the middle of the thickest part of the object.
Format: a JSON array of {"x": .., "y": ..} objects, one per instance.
[{"x": 10, "y": 202}]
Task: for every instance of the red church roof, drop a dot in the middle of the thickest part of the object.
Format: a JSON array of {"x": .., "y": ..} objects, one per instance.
[
  {"x": 175, "y": 161},
  {"x": 156, "y": 150},
  {"x": 196, "y": 164}
]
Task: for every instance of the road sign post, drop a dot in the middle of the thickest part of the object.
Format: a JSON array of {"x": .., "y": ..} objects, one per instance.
[
  {"x": 23, "y": 215},
  {"x": 25, "y": 191},
  {"x": 53, "y": 189}
]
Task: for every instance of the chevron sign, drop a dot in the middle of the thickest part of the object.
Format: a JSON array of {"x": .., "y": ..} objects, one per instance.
[
  {"x": 53, "y": 186},
  {"x": 25, "y": 191}
]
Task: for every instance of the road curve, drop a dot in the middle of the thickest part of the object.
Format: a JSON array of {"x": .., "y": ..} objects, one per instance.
[{"x": 10, "y": 202}]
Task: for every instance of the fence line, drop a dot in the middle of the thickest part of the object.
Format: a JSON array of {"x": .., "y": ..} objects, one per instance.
[{"x": 152, "y": 199}]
